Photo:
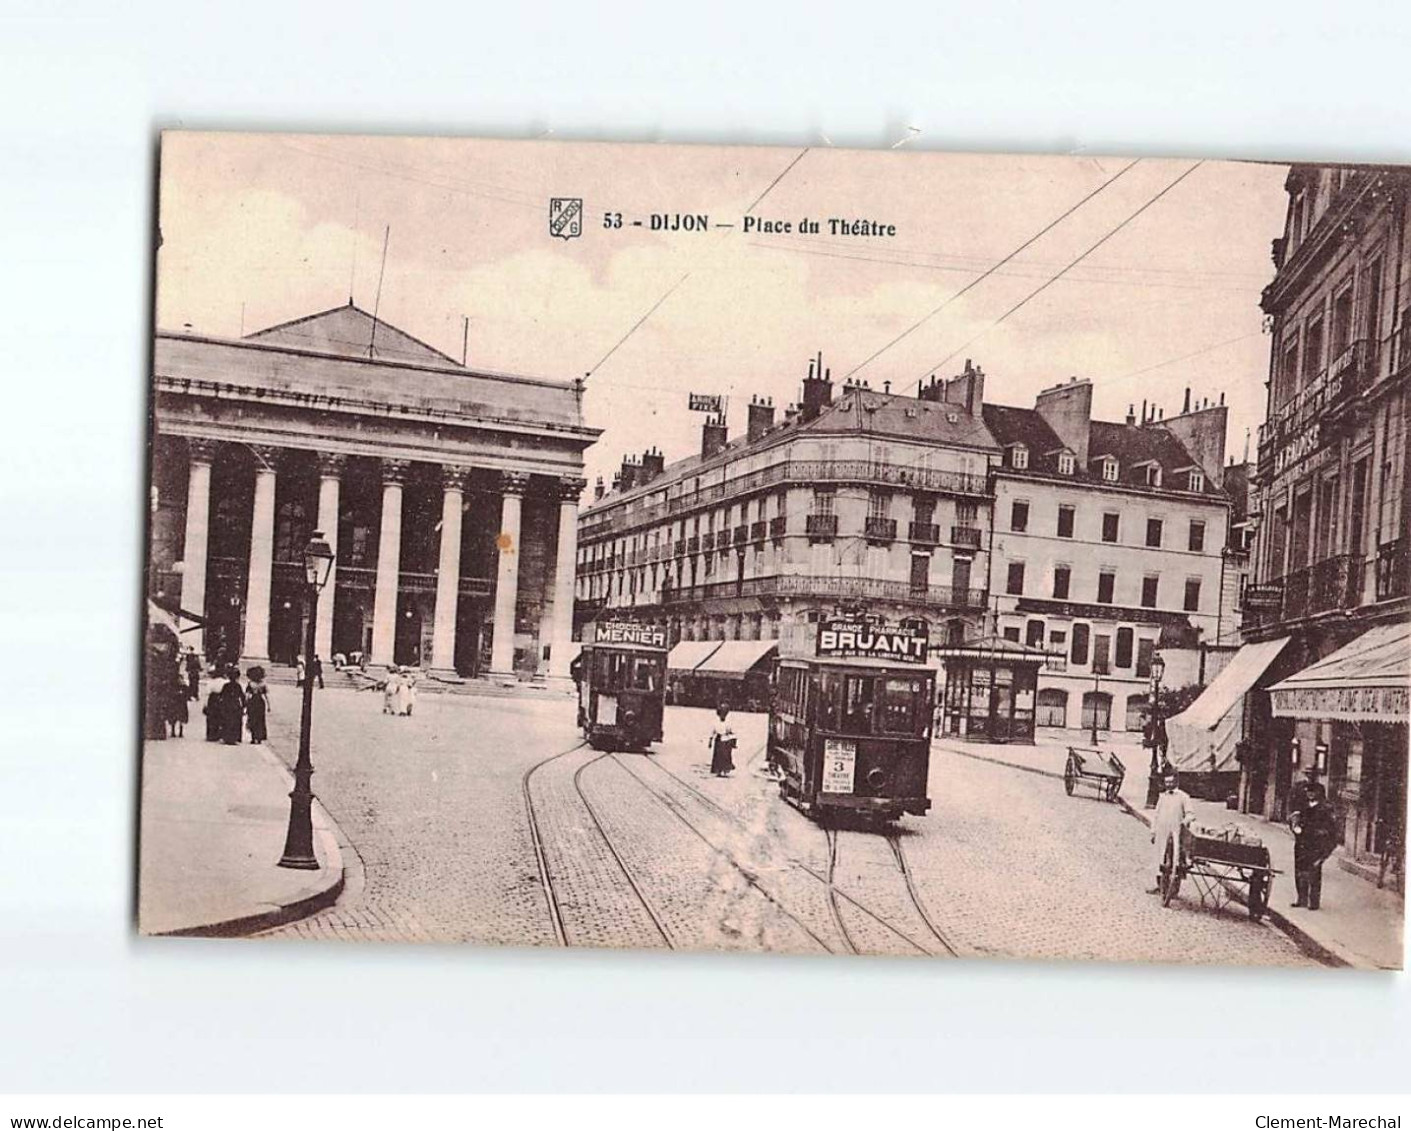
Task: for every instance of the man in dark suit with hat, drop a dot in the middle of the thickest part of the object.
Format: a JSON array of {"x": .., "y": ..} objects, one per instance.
[{"x": 1314, "y": 838}]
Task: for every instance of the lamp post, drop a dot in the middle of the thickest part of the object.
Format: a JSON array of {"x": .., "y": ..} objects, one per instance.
[
  {"x": 1153, "y": 783},
  {"x": 299, "y": 842}
]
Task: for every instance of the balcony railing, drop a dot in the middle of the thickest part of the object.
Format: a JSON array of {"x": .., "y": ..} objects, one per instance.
[
  {"x": 792, "y": 471},
  {"x": 707, "y": 542},
  {"x": 757, "y": 530},
  {"x": 832, "y": 588},
  {"x": 880, "y": 529},
  {"x": 924, "y": 533},
  {"x": 822, "y": 526},
  {"x": 1335, "y": 583},
  {"x": 693, "y": 544},
  {"x": 778, "y": 527},
  {"x": 1056, "y": 662},
  {"x": 742, "y": 533},
  {"x": 1393, "y": 570},
  {"x": 965, "y": 536}
]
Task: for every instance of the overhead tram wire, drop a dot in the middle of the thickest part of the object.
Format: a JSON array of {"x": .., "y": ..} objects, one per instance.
[
  {"x": 670, "y": 290},
  {"x": 1184, "y": 357},
  {"x": 636, "y": 325},
  {"x": 995, "y": 267},
  {"x": 1066, "y": 268}
]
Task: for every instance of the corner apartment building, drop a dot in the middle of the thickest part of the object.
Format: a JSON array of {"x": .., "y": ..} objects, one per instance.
[
  {"x": 864, "y": 497},
  {"x": 1108, "y": 546},
  {"x": 1332, "y": 557}
]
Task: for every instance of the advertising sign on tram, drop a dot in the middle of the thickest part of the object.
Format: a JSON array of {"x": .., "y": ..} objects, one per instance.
[
  {"x": 839, "y": 765},
  {"x": 625, "y": 632},
  {"x": 840, "y": 637}
]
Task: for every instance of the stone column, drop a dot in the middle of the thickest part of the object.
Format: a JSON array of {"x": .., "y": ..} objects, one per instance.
[
  {"x": 330, "y": 470},
  {"x": 564, "y": 574},
  {"x": 196, "y": 546},
  {"x": 448, "y": 571},
  {"x": 389, "y": 563},
  {"x": 513, "y": 484},
  {"x": 257, "y": 582}
]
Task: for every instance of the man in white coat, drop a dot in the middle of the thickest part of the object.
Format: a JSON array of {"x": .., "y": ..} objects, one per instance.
[{"x": 1173, "y": 813}]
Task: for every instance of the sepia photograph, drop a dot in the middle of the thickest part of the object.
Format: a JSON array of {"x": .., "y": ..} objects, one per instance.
[{"x": 780, "y": 551}]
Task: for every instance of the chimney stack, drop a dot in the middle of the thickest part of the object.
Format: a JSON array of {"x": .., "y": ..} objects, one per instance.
[
  {"x": 653, "y": 464},
  {"x": 1186, "y": 405},
  {"x": 630, "y": 474},
  {"x": 761, "y": 418},
  {"x": 714, "y": 436},
  {"x": 1131, "y": 415},
  {"x": 1068, "y": 410},
  {"x": 817, "y": 389},
  {"x": 598, "y": 489}
]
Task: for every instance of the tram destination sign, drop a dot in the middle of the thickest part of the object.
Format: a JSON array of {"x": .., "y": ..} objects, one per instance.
[
  {"x": 625, "y": 632},
  {"x": 857, "y": 636}
]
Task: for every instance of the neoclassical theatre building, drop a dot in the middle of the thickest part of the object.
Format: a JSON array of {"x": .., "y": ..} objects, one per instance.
[{"x": 449, "y": 495}]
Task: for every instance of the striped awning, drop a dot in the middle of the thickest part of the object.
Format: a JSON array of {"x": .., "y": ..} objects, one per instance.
[{"x": 1366, "y": 680}]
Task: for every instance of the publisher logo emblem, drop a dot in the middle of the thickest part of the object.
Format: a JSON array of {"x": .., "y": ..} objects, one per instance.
[{"x": 565, "y": 217}]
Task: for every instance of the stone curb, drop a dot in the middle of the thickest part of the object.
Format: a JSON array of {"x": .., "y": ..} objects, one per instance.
[
  {"x": 315, "y": 898},
  {"x": 1301, "y": 938}
]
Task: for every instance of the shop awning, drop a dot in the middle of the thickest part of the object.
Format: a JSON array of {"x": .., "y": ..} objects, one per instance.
[
  {"x": 1203, "y": 736},
  {"x": 735, "y": 659},
  {"x": 172, "y": 616},
  {"x": 1363, "y": 681},
  {"x": 690, "y": 654}
]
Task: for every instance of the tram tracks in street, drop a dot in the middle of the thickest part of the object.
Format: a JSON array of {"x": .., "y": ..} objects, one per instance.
[
  {"x": 563, "y": 931},
  {"x": 837, "y": 897},
  {"x": 895, "y": 841}
]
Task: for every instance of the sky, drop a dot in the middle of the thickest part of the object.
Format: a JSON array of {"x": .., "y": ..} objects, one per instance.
[{"x": 1144, "y": 277}]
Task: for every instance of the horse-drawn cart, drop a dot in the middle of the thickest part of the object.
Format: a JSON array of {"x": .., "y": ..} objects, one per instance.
[
  {"x": 1219, "y": 863},
  {"x": 1102, "y": 770}
]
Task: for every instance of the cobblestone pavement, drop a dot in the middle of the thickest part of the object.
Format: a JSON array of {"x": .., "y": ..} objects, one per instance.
[
  {"x": 434, "y": 807},
  {"x": 652, "y": 851},
  {"x": 1009, "y": 865}
]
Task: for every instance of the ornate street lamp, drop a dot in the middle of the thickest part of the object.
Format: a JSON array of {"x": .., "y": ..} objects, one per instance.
[
  {"x": 1153, "y": 783},
  {"x": 299, "y": 842}
]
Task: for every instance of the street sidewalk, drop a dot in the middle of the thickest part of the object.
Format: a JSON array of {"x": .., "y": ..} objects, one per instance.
[
  {"x": 1357, "y": 924},
  {"x": 213, "y": 822}
]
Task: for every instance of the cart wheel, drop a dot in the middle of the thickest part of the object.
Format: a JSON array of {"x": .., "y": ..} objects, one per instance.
[
  {"x": 1068, "y": 779},
  {"x": 1170, "y": 876},
  {"x": 1258, "y": 895}
]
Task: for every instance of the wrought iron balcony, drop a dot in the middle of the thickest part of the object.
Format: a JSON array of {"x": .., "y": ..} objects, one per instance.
[
  {"x": 693, "y": 544},
  {"x": 708, "y": 542},
  {"x": 1335, "y": 583},
  {"x": 742, "y": 533},
  {"x": 832, "y": 588},
  {"x": 924, "y": 533},
  {"x": 967, "y": 537},
  {"x": 778, "y": 527},
  {"x": 757, "y": 530},
  {"x": 880, "y": 529},
  {"x": 822, "y": 527}
]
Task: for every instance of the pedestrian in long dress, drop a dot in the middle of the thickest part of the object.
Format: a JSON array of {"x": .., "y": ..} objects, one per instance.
[
  {"x": 193, "y": 674},
  {"x": 1314, "y": 838},
  {"x": 180, "y": 715},
  {"x": 406, "y": 694},
  {"x": 232, "y": 713},
  {"x": 316, "y": 670},
  {"x": 722, "y": 744},
  {"x": 390, "y": 688},
  {"x": 1174, "y": 812},
  {"x": 257, "y": 704},
  {"x": 214, "y": 706}
]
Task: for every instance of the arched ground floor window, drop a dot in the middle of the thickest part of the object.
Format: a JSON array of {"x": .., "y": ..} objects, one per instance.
[
  {"x": 1136, "y": 711},
  {"x": 1052, "y": 707},
  {"x": 1097, "y": 704}
]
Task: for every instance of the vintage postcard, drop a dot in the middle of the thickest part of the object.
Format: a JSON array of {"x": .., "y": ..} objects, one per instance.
[{"x": 804, "y": 551}]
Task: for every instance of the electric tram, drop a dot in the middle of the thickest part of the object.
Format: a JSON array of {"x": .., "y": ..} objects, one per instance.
[
  {"x": 850, "y": 728},
  {"x": 621, "y": 679}
]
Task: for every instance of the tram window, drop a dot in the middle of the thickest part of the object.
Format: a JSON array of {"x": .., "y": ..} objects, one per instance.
[
  {"x": 858, "y": 692},
  {"x": 901, "y": 704},
  {"x": 644, "y": 674}
]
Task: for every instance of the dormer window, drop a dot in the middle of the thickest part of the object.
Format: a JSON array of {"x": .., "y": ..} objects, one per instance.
[
  {"x": 1197, "y": 481},
  {"x": 1109, "y": 470},
  {"x": 1066, "y": 463},
  {"x": 1019, "y": 457},
  {"x": 1152, "y": 474}
]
